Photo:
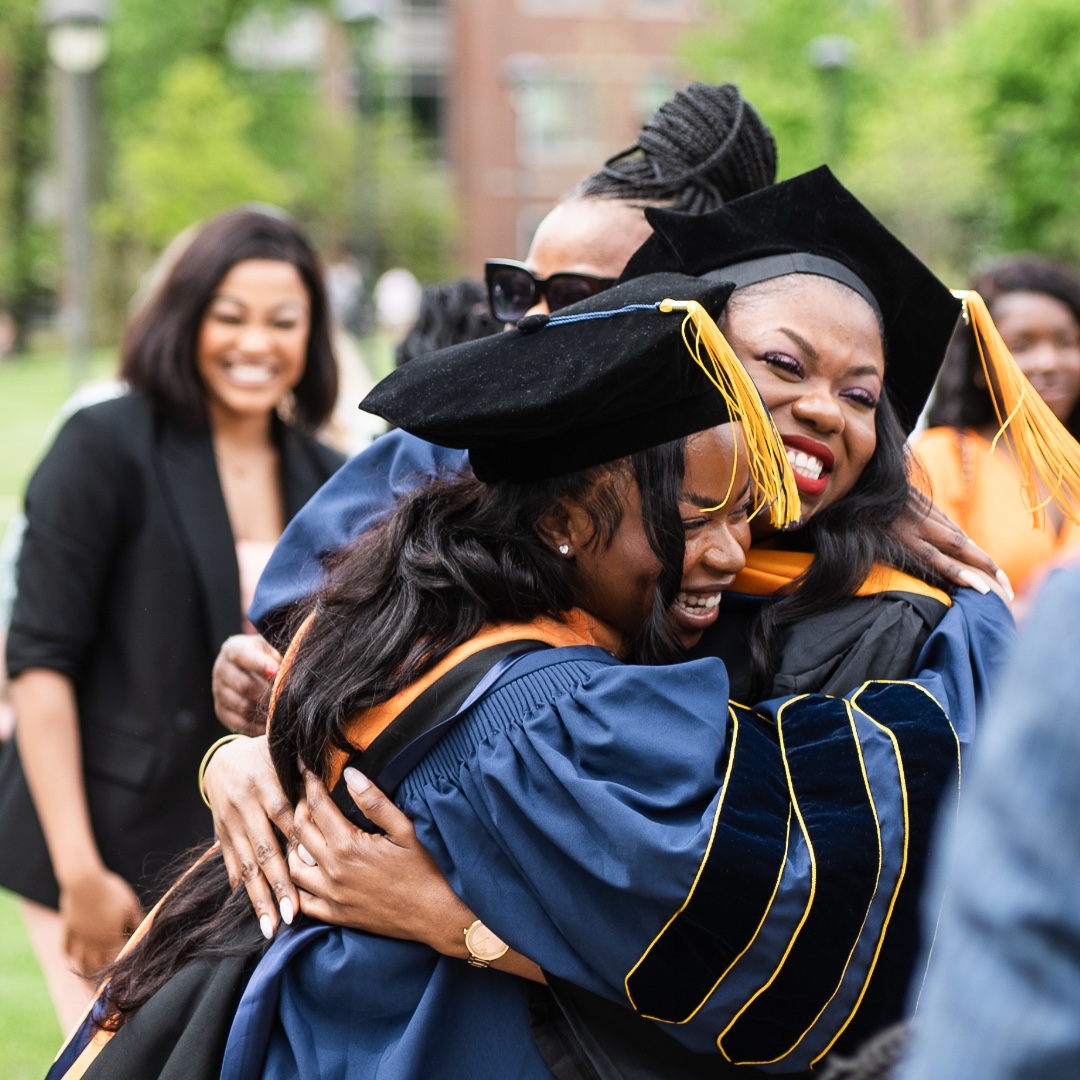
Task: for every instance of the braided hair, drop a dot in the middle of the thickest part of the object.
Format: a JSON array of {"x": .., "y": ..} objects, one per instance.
[{"x": 703, "y": 148}]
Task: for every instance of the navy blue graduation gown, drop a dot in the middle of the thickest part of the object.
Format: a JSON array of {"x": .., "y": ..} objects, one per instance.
[
  {"x": 363, "y": 490},
  {"x": 744, "y": 877}
]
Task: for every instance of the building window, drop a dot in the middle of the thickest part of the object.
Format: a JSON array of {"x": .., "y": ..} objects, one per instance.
[
  {"x": 426, "y": 96},
  {"x": 562, "y": 9},
  {"x": 651, "y": 93},
  {"x": 556, "y": 116}
]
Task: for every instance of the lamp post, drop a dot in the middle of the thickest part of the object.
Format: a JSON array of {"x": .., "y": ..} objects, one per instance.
[
  {"x": 78, "y": 44},
  {"x": 833, "y": 55}
]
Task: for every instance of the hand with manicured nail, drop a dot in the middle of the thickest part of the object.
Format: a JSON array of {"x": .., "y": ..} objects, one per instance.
[
  {"x": 384, "y": 884},
  {"x": 937, "y": 541},
  {"x": 247, "y": 802}
]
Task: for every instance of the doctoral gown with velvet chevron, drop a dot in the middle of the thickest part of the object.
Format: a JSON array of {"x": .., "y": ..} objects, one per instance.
[{"x": 746, "y": 878}]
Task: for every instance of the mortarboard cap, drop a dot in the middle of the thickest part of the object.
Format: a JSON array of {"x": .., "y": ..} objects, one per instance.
[
  {"x": 813, "y": 224},
  {"x": 605, "y": 378}
]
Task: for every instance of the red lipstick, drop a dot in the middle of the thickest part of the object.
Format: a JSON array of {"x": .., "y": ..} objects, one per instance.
[{"x": 816, "y": 449}]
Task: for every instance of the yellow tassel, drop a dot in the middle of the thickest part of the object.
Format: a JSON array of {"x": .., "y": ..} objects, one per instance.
[
  {"x": 770, "y": 470},
  {"x": 1045, "y": 454}
]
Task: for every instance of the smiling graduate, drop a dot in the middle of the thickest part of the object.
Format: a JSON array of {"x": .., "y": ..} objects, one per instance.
[{"x": 729, "y": 874}]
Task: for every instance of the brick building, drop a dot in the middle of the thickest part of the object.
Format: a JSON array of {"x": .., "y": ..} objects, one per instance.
[{"x": 539, "y": 93}]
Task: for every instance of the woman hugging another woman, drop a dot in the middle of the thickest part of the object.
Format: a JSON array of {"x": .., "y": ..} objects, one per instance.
[{"x": 745, "y": 879}]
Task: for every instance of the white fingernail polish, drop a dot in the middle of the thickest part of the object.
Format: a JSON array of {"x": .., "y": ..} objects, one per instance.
[
  {"x": 286, "y": 909},
  {"x": 1006, "y": 584},
  {"x": 266, "y": 925},
  {"x": 356, "y": 780},
  {"x": 305, "y": 855},
  {"x": 969, "y": 577}
]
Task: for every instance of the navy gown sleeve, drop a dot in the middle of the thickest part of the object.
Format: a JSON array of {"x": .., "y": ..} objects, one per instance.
[
  {"x": 745, "y": 878},
  {"x": 362, "y": 491}
]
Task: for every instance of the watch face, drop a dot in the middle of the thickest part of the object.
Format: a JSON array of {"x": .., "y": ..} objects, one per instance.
[{"x": 484, "y": 943}]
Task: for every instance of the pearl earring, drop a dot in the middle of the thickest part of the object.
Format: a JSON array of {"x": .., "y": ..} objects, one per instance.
[{"x": 564, "y": 549}]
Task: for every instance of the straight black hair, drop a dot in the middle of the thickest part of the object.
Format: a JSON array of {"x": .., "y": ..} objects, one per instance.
[
  {"x": 158, "y": 353},
  {"x": 959, "y": 402},
  {"x": 454, "y": 555}
]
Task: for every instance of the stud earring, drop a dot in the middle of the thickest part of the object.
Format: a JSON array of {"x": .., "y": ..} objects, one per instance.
[{"x": 564, "y": 549}]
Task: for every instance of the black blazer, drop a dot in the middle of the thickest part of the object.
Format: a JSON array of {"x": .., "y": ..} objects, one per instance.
[{"x": 128, "y": 584}]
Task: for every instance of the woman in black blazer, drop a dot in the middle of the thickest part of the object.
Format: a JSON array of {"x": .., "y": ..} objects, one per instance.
[{"x": 129, "y": 579}]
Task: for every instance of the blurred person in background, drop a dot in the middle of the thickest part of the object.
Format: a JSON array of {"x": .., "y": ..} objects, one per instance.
[
  {"x": 1036, "y": 305},
  {"x": 148, "y": 523},
  {"x": 450, "y": 313}
]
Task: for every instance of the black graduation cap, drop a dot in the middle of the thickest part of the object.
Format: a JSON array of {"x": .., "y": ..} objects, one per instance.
[
  {"x": 602, "y": 379},
  {"x": 813, "y": 224}
]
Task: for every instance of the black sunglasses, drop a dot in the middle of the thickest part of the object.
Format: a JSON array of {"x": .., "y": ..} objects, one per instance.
[{"x": 513, "y": 288}]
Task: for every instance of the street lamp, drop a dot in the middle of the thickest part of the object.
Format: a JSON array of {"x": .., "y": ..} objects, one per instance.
[
  {"x": 78, "y": 43},
  {"x": 833, "y": 55}
]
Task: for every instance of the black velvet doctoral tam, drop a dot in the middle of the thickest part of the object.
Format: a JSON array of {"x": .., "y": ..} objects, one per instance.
[
  {"x": 815, "y": 215},
  {"x": 591, "y": 385}
]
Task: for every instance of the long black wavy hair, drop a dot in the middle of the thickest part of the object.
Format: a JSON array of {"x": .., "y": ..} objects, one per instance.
[
  {"x": 454, "y": 555},
  {"x": 459, "y": 554},
  {"x": 847, "y": 539}
]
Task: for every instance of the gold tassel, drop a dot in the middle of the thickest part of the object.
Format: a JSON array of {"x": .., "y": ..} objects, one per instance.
[
  {"x": 1045, "y": 454},
  {"x": 770, "y": 470}
]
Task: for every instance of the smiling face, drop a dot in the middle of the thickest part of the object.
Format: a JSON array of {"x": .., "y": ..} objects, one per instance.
[
  {"x": 252, "y": 343},
  {"x": 717, "y": 540},
  {"x": 814, "y": 349},
  {"x": 1042, "y": 334},
  {"x": 618, "y": 578}
]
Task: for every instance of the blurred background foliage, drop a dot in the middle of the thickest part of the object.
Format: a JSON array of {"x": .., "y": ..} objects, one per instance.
[
  {"x": 186, "y": 131},
  {"x": 965, "y": 139}
]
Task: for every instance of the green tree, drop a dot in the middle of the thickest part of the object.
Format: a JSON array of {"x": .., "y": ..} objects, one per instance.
[
  {"x": 1022, "y": 74},
  {"x": 356, "y": 181},
  {"x": 149, "y": 36},
  {"x": 920, "y": 160},
  {"x": 764, "y": 46},
  {"x": 26, "y": 255},
  {"x": 406, "y": 202},
  {"x": 190, "y": 158}
]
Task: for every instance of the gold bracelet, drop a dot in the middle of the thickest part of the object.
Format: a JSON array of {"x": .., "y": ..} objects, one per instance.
[
  {"x": 491, "y": 951},
  {"x": 214, "y": 748}
]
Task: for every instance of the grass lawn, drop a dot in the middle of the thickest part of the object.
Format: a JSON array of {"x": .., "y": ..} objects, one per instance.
[
  {"x": 32, "y": 388},
  {"x": 29, "y": 1031}
]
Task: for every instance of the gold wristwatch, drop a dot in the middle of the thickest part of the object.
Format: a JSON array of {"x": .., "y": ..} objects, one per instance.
[{"x": 485, "y": 946}]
